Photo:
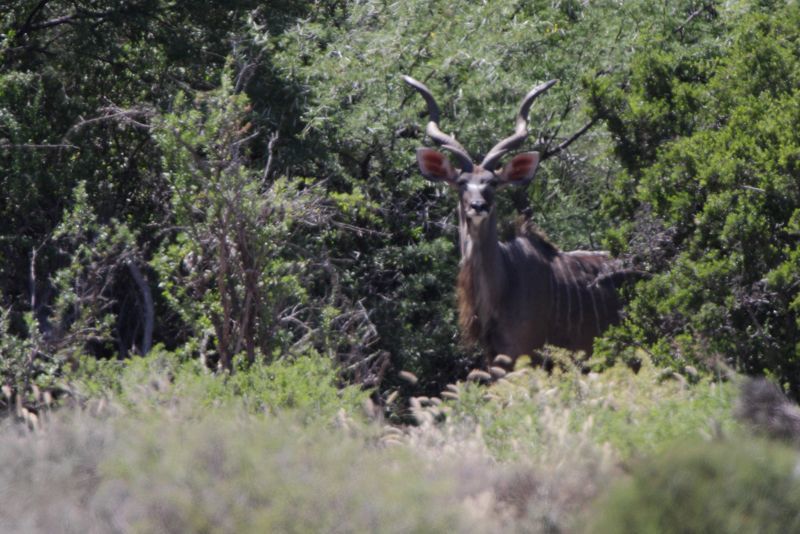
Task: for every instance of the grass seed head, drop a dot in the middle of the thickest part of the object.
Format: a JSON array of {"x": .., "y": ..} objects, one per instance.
[
  {"x": 409, "y": 377},
  {"x": 502, "y": 359},
  {"x": 476, "y": 375},
  {"x": 497, "y": 372}
]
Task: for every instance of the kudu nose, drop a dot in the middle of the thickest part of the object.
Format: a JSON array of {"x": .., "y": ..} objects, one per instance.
[{"x": 479, "y": 206}]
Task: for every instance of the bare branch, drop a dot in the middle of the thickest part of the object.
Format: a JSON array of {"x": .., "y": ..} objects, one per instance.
[
  {"x": 58, "y": 21},
  {"x": 273, "y": 139},
  {"x": 36, "y": 146},
  {"x": 753, "y": 188},
  {"x": 148, "y": 310},
  {"x": 574, "y": 137},
  {"x": 131, "y": 116}
]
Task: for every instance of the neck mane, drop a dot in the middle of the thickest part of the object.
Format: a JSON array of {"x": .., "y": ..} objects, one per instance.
[{"x": 481, "y": 278}]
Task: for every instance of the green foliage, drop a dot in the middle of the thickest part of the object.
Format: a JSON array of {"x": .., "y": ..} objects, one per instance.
[
  {"x": 23, "y": 364},
  {"x": 81, "y": 319},
  {"x": 224, "y": 472},
  {"x": 527, "y": 414},
  {"x": 96, "y": 253},
  {"x": 173, "y": 447},
  {"x": 308, "y": 386},
  {"x": 726, "y": 486},
  {"x": 707, "y": 131},
  {"x": 262, "y": 474},
  {"x": 234, "y": 270},
  {"x": 293, "y": 218},
  {"x": 79, "y": 85}
]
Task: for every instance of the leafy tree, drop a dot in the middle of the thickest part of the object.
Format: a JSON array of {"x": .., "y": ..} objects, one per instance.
[
  {"x": 78, "y": 83},
  {"x": 234, "y": 271},
  {"x": 707, "y": 131}
]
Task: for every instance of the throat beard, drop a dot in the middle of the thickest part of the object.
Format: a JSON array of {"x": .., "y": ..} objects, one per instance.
[{"x": 478, "y": 219}]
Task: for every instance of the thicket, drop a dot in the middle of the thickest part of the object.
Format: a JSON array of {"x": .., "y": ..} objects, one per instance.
[
  {"x": 236, "y": 183},
  {"x": 244, "y": 185},
  {"x": 705, "y": 124}
]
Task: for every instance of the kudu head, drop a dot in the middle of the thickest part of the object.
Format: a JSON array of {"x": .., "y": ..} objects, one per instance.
[{"x": 476, "y": 183}]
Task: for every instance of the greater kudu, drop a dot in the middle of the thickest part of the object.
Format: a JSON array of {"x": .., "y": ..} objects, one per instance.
[{"x": 514, "y": 297}]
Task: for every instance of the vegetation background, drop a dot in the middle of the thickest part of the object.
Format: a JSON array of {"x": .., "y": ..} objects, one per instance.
[{"x": 212, "y": 232}]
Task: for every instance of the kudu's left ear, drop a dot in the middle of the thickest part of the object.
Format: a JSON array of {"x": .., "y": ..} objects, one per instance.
[
  {"x": 520, "y": 170},
  {"x": 435, "y": 166}
]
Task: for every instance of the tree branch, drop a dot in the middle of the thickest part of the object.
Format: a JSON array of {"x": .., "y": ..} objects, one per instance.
[
  {"x": 148, "y": 310},
  {"x": 36, "y": 146},
  {"x": 273, "y": 139},
  {"x": 705, "y": 7},
  {"x": 114, "y": 112},
  {"x": 563, "y": 146}
]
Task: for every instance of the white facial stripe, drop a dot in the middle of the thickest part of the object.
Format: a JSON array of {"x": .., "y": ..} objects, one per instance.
[{"x": 475, "y": 188}]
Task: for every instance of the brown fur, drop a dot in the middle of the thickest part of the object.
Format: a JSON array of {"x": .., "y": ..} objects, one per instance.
[
  {"x": 579, "y": 304},
  {"x": 527, "y": 229},
  {"x": 468, "y": 322}
]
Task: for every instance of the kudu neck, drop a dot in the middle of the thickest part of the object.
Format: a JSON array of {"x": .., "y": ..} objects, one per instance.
[{"x": 480, "y": 249}]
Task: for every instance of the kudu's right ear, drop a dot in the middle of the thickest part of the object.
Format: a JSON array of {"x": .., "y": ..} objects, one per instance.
[
  {"x": 520, "y": 170},
  {"x": 435, "y": 166}
]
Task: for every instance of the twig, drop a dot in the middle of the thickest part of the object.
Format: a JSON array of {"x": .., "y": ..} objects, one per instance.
[
  {"x": 572, "y": 139},
  {"x": 27, "y": 25},
  {"x": 752, "y": 188},
  {"x": 37, "y": 146},
  {"x": 147, "y": 305},
  {"x": 34, "y": 251},
  {"x": 273, "y": 139},
  {"x": 114, "y": 112},
  {"x": 705, "y": 7}
]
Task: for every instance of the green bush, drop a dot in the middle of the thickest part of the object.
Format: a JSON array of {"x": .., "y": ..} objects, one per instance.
[
  {"x": 727, "y": 486},
  {"x": 223, "y": 472},
  {"x": 634, "y": 414},
  {"x": 81, "y": 319},
  {"x": 707, "y": 131},
  {"x": 235, "y": 271},
  {"x": 309, "y": 386}
]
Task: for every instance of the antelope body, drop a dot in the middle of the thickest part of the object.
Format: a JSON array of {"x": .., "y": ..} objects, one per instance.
[{"x": 516, "y": 296}]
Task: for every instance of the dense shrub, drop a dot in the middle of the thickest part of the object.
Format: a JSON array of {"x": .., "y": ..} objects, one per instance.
[
  {"x": 631, "y": 415},
  {"x": 709, "y": 199},
  {"x": 223, "y": 473},
  {"x": 742, "y": 486}
]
